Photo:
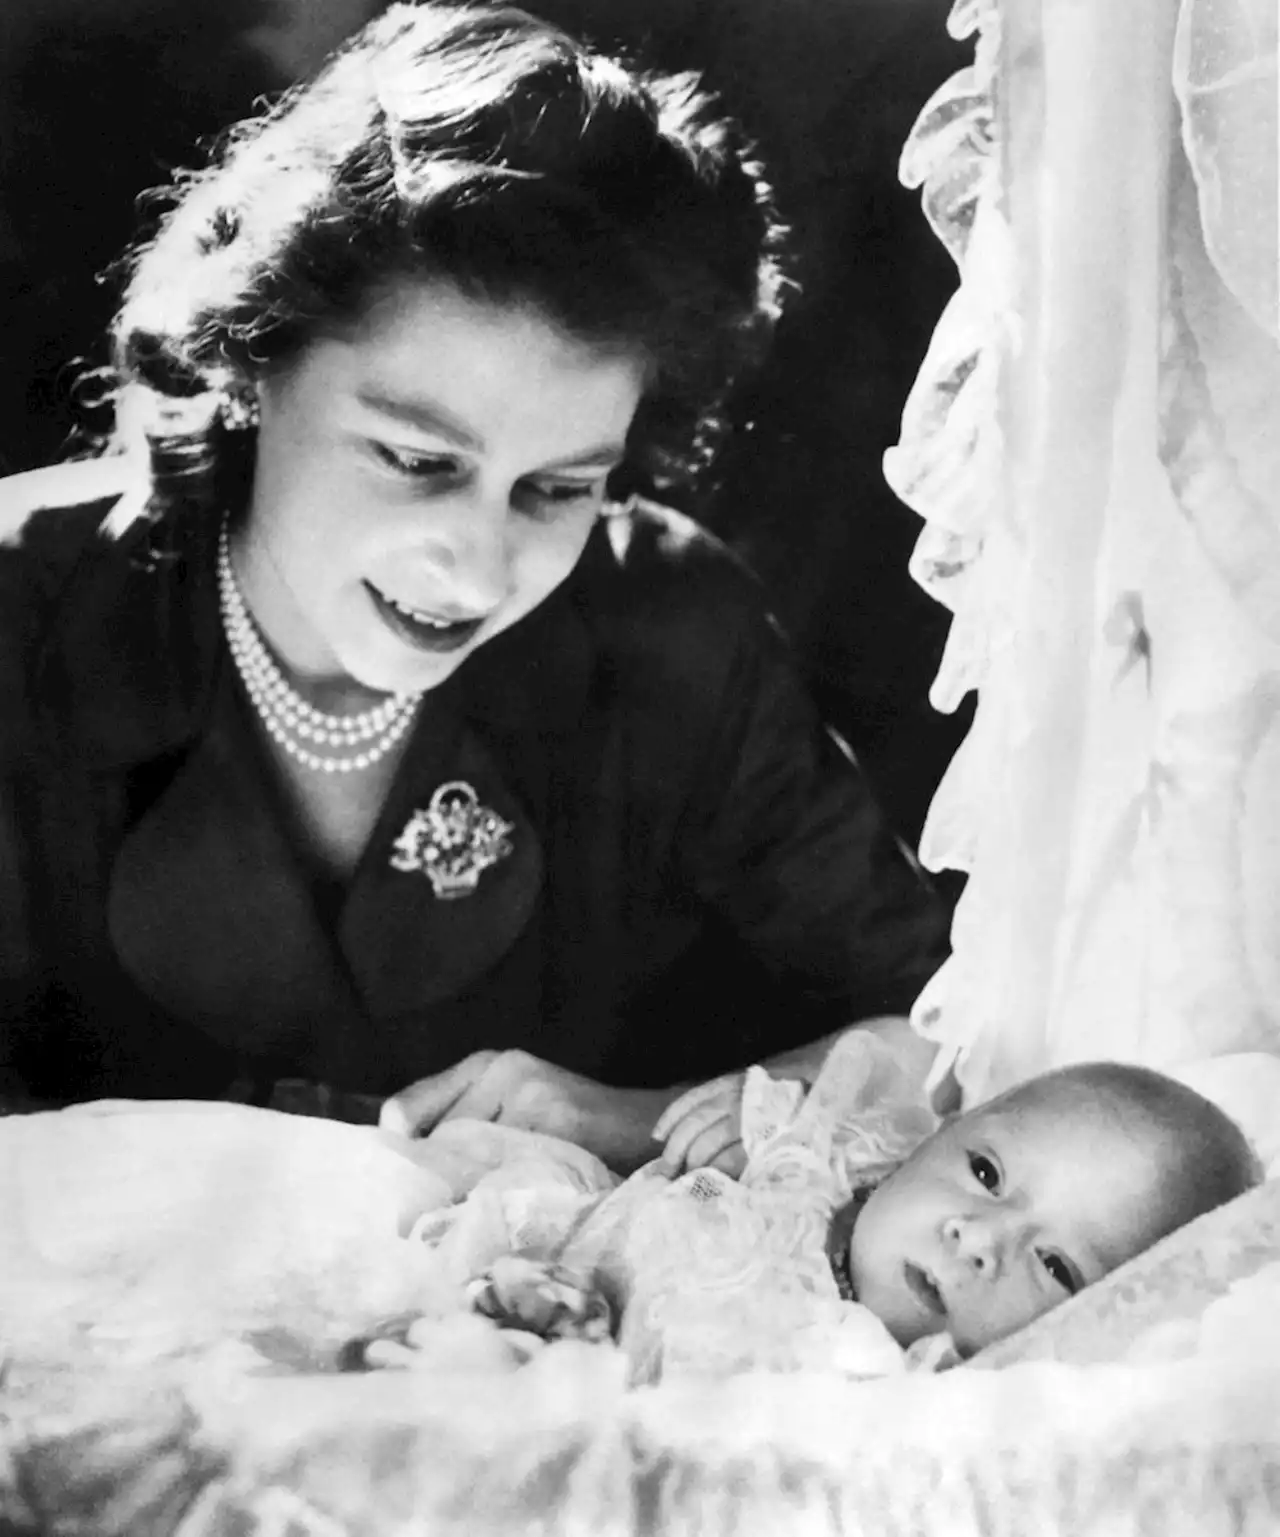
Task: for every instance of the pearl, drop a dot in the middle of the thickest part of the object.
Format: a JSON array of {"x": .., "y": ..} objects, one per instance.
[{"x": 287, "y": 717}]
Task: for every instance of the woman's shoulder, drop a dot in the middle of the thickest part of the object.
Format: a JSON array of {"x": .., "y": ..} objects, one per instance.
[
  {"x": 673, "y": 580},
  {"x": 655, "y": 543},
  {"x": 47, "y": 519},
  {"x": 76, "y": 483},
  {"x": 683, "y": 632},
  {"x": 46, "y": 514}
]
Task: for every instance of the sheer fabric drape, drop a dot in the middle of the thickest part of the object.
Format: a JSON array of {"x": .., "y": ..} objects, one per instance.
[{"x": 1094, "y": 443}]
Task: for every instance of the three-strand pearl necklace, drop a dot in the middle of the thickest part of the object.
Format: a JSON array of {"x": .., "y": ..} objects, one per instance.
[{"x": 297, "y": 726}]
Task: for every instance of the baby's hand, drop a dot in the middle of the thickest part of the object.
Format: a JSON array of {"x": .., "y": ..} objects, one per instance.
[
  {"x": 703, "y": 1128},
  {"x": 462, "y": 1342},
  {"x": 531, "y": 1302},
  {"x": 542, "y": 1299}
]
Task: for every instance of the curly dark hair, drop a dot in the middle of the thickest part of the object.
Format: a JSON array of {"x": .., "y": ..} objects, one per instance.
[{"x": 475, "y": 144}]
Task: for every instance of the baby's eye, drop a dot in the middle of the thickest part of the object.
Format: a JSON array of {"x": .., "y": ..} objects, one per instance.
[
  {"x": 1060, "y": 1271},
  {"x": 986, "y": 1171}
]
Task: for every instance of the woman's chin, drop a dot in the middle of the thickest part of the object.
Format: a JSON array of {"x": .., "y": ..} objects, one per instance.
[{"x": 395, "y": 669}]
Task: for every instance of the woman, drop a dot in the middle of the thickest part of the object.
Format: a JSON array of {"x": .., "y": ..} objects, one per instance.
[{"x": 374, "y": 743}]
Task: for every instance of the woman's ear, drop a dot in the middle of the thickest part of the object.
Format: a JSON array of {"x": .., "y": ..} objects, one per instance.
[{"x": 239, "y": 408}]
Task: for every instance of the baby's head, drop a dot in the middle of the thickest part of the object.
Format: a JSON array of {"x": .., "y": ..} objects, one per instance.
[{"x": 1012, "y": 1207}]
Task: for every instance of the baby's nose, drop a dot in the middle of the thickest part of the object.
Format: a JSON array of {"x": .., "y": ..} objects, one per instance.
[{"x": 975, "y": 1242}]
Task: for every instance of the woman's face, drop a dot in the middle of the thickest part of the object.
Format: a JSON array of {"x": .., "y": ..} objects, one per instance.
[{"x": 426, "y": 475}]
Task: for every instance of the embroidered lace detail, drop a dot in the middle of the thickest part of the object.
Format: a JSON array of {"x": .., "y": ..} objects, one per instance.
[
  {"x": 721, "y": 1275},
  {"x": 705, "y": 1187}
]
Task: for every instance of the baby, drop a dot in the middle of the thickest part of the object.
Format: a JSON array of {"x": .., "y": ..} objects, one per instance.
[
  {"x": 1011, "y": 1208},
  {"x": 857, "y": 1230}
]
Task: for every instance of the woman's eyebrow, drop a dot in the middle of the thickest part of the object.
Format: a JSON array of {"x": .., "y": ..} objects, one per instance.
[
  {"x": 605, "y": 456},
  {"x": 426, "y": 415}
]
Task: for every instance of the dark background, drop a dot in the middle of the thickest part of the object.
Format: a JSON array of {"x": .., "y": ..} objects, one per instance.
[{"x": 99, "y": 99}]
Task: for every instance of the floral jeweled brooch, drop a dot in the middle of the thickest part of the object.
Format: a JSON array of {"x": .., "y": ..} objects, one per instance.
[{"x": 453, "y": 841}]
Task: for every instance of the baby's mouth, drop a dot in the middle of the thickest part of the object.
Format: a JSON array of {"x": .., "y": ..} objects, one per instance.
[{"x": 924, "y": 1288}]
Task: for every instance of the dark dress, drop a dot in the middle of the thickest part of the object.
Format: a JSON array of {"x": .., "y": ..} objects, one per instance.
[{"x": 697, "y": 875}]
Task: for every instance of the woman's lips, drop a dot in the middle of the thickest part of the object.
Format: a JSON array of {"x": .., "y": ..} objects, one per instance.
[
  {"x": 924, "y": 1289},
  {"x": 421, "y": 629}
]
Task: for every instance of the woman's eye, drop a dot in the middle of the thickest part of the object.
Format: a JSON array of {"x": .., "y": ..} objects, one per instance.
[
  {"x": 566, "y": 492},
  {"x": 1060, "y": 1271},
  {"x": 416, "y": 466},
  {"x": 548, "y": 499},
  {"x": 985, "y": 1171}
]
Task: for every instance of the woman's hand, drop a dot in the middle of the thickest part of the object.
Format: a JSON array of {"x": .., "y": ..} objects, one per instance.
[{"x": 514, "y": 1088}]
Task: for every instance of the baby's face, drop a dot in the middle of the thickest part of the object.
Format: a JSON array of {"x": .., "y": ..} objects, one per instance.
[{"x": 1005, "y": 1212}]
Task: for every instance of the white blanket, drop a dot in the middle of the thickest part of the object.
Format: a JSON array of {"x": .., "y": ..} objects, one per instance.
[{"x": 133, "y": 1233}]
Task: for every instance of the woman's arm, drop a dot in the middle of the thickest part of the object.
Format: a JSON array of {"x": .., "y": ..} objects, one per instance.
[
  {"x": 790, "y": 848},
  {"x": 515, "y": 1088},
  {"x": 46, "y": 518},
  {"x": 19, "y": 988}
]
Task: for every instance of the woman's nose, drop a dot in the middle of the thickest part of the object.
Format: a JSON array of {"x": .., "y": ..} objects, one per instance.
[
  {"x": 468, "y": 552},
  {"x": 975, "y": 1242}
]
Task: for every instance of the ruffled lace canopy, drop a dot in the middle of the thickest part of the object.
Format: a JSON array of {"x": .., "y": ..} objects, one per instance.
[{"x": 1092, "y": 444}]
